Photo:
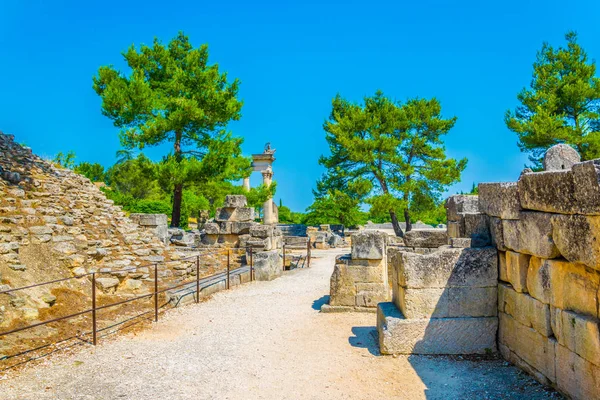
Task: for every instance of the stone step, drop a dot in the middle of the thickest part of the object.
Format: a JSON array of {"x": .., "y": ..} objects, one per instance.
[{"x": 398, "y": 335}]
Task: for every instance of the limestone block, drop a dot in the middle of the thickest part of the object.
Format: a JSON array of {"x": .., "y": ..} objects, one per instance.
[
  {"x": 517, "y": 265},
  {"x": 525, "y": 309},
  {"x": 560, "y": 157},
  {"x": 343, "y": 290},
  {"x": 367, "y": 274},
  {"x": 371, "y": 297},
  {"x": 460, "y": 243},
  {"x": 578, "y": 333},
  {"x": 107, "y": 284},
  {"x": 240, "y": 214},
  {"x": 261, "y": 231},
  {"x": 369, "y": 245},
  {"x": 586, "y": 179},
  {"x": 448, "y": 267},
  {"x": 497, "y": 234},
  {"x": 459, "y": 204},
  {"x": 398, "y": 335},
  {"x": 473, "y": 302},
  {"x": 477, "y": 227},
  {"x": 575, "y": 376},
  {"x": 531, "y": 234},
  {"x": 229, "y": 240},
  {"x": 211, "y": 228},
  {"x": 267, "y": 265},
  {"x": 549, "y": 191},
  {"x": 429, "y": 238},
  {"x": 225, "y": 227},
  {"x": 500, "y": 199},
  {"x": 235, "y": 201},
  {"x": 538, "y": 280},
  {"x": 447, "y": 302},
  {"x": 40, "y": 230},
  {"x": 456, "y": 229},
  {"x": 241, "y": 228},
  {"x": 534, "y": 348},
  {"x": 149, "y": 219},
  {"x": 577, "y": 237}
]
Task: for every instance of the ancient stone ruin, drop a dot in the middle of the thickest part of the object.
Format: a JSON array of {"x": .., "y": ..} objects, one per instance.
[{"x": 360, "y": 279}]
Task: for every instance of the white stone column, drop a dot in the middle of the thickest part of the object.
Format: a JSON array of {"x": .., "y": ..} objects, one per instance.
[
  {"x": 268, "y": 215},
  {"x": 246, "y": 184}
]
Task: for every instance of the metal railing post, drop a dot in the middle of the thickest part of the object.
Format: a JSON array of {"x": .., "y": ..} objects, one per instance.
[
  {"x": 197, "y": 279},
  {"x": 308, "y": 253},
  {"x": 94, "y": 329},
  {"x": 228, "y": 268},
  {"x": 251, "y": 266},
  {"x": 155, "y": 292},
  {"x": 284, "y": 256}
]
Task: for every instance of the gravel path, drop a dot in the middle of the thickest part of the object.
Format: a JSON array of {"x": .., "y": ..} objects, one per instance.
[{"x": 264, "y": 340}]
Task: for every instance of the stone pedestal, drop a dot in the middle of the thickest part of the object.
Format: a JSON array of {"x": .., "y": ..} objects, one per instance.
[{"x": 156, "y": 223}]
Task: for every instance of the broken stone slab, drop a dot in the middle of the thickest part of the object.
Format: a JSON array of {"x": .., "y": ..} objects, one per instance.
[
  {"x": 530, "y": 234},
  {"x": 447, "y": 267},
  {"x": 369, "y": 245},
  {"x": 107, "y": 284},
  {"x": 211, "y": 228},
  {"x": 241, "y": 228},
  {"x": 398, "y": 335},
  {"x": 500, "y": 199},
  {"x": 429, "y": 238},
  {"x": 460, "y": 243},
  {"x": 549, "y": 191},
  {"x": 460, "y": 204},
  {"x": 525, "y": 309},
  {"x": 560, "y": 157},
  {"x": 235, "y": 201},
  {"x": 240, "y": 214},
  {"x": 577, "y": 237},
  {"x": 267, "y": 265}
]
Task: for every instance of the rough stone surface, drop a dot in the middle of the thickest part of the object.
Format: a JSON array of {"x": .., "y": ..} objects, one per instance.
[
  {"x": 429, "y": 238},
  {"x": 267, "y": 265},
  {"x": 500, "y": 200},
  {"x": 578, "y": 333},
  {"x": 514, "y": 270},
  {"x": 459, "y": 204},
  {"x": 369, "y": 245},
  {"x": 576, "y": 376},
  {"x": 531, "y": 234},
  {"x": 497, "y": 234},
  {"x": 448, "y": 302},
  {"x": 343, "y": 290},
  {"x": 551, "y": 191},
  {"x": 577, "y": 237},
  {"x": 525, "y": 309},
  {"x": 398, "y": 335},
  {"x": 447, "y": 267},
  {"x": 560, "y": 157},
  {"x": 233, "y": 201}
]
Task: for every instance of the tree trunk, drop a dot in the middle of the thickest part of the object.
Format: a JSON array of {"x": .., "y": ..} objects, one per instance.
[
  {"x": 407, "y": 219},
  {"x": 178, "y": 188},
  {"x": 176, "y": 213},
  {"x": 396, "y": 224}
]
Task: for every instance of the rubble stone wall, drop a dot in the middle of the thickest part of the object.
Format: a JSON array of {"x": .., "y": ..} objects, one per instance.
[{"x": 546, "y": 228}]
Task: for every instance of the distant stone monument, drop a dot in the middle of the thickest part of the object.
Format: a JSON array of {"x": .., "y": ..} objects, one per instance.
[{"x": 263, "y": 163}]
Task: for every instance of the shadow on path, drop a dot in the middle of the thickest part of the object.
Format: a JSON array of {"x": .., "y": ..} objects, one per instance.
[
  {"x": 365, "y": 337},
  {"x": 316, "y": 305}
]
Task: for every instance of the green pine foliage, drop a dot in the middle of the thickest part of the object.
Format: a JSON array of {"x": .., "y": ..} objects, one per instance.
[{"x": 561, "y": 105}]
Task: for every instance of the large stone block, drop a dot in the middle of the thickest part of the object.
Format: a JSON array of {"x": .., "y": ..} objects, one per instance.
[
  {"x": 267, "y": 265},
  {"x": 534, "y": 348},
  {"x": 549, "y": 191},
  {"x": 459, "y": 204},
  {"x": 149, "y": 219},
  {"x": 343, "y": 290},
  {"x": 497, "y": 234},
  {"x": 448, "y": 267},
  {"x": 516, "y": 265},
  {"x": 429, "y": 238},
  {"x": 531, "y": 234},
  {"x": 369, "y": 245},
  {"x": 586, "y": 180},
  {"x": 228, "y": 214},
  {"x": 261, "y": 231},
  {"x": 500, "y": 199},
  {"x": 525, "y": 309},
  {"x": 398, "y": 335},
  {"x": 477, "y": 226},
  {"x": 575, "y": 376},
  {"x": 211, "y": 228},
  {"x": 456, "y": 229},
  {"x": 578, "y": 333},
  {"x": 241, "y": 228},
  {"x": 235, "y": 201},
  {"x": 447, "y": 302},
  {"x": 564, "y": 285},
  {"x": 577, "y": 237}
]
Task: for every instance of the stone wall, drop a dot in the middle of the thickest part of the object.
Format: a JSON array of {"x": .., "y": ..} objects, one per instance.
[
  {"x": 546, "y": 228},
  {"x": 360, "y": 279}
]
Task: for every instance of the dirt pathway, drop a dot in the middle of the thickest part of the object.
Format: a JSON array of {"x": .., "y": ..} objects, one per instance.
[{"x": 264, "y": 340}]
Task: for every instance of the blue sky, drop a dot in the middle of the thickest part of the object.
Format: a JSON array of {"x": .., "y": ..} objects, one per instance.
[{"x": 292, "y": 58}]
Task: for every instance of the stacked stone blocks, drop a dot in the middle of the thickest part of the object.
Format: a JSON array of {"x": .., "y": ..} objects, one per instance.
[
  {"x": 547, "y": 237},
  {"x": 360, "y": 279}
]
